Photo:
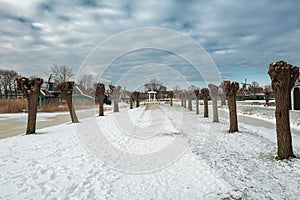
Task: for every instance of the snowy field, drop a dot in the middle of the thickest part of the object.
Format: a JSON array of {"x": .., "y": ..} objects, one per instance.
[{"x": 55, "y": 164}]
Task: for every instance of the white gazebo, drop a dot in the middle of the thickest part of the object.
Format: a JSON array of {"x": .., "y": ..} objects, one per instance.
[{"x": 150, "y": 95}]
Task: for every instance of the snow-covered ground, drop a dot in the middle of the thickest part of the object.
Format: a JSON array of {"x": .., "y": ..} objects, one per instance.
[
  {"x": 56, "y": 164},
  {"x": 42, "y": 116}
]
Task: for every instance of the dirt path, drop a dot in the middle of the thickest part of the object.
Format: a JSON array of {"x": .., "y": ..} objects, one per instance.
[{"x": 12, "y": 127}]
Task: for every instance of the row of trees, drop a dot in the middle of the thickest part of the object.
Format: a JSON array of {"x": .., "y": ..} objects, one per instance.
[
  {"x": 8, "y": 84},
  {"x": 283, "y": 77},
  {"x": 282, "y": 74}
]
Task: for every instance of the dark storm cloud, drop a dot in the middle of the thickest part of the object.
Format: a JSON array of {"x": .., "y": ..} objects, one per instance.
[{"x": 239, "y": 35}]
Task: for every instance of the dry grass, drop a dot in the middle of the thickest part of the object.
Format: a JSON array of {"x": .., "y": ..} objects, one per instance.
[
  {"x": 13, "y": 105},
  {"x": 20, "y": 105},
  {"x": 53, "y": 107}
]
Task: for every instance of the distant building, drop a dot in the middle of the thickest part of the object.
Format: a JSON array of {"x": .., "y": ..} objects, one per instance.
[
  {"x": 295, "y": 97},
  {"x": 46, "y": 97},
  {"x": 250, "y": 94}
]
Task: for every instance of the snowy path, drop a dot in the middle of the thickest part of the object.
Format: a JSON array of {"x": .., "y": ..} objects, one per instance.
[{"x": 216, "y": 164}]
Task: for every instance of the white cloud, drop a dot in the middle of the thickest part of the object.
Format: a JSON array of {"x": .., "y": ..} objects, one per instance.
[{"x": 37, "y": 33}]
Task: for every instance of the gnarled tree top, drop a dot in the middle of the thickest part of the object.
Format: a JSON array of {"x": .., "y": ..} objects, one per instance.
[
  {"x": 213, "y": 89},
  {"x": 27, "y": 86},
  {"x": 100, "y": 87},
  {"x": 66, "y": 88},
  {"x": 205, "y": 91},
  {"x": 283, "y": 75},
  {"x": 230, "y": 87}
]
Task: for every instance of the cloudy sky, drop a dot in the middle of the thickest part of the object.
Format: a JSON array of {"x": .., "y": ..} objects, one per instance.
[{"x": 242, "y": 37}]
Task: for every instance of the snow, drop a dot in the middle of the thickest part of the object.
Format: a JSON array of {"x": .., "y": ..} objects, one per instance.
[
  {"x": 41, "y": 116},
  {"x": 57, "y": 164}
]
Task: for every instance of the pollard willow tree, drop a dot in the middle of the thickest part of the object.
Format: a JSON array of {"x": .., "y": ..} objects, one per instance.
[
  {"x": 283, "y": 77},
  {"x": 190, "y": 96},
  {"x": 231, "y": 89},
  {"x": 183, "y": 98},
  {"x": 205, "y": 93},
  {"x": 100, "y": 90},
  {"x": 131, "y": 99},
  {"x": 222, "y": 94},
  {"x": 171, "y": 95},
  {"x": 66, "y": 92},
  {"x": 197, "y": 100},
  {"x": 115, "y": 93},
  {"x": 214, "y": 97},
  {"x": 31, "y": 90},
  {"x": 136, "y": 96},
  {"x": 267, "y": 93}
]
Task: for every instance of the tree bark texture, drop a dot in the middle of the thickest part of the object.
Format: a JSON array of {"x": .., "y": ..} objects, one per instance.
[
  {"x": 171, "y": 95},
  {"x": 137, "y": 98},
  {"x": 181, "y": 98},
  {"x": 184, "y": 99},
  {"x": 214, "y": 97},
  {"x": 267, "y": 96},
  {"x": 66, "y": 89},
  {"x": 231, "y": 89},
  {"x": 205, "y": 93},
  {"x": 283, "y": 77},
  {"x": 222, "y": 94},
  {"x": 100, "y": 90},
  {"x": 197, "y": 101},
  {"x": 116, "y": 92},
  {"x": 31, "y": 90},
  {"x": 190, "y": 95},
  {"x": 131, "y": 99}
]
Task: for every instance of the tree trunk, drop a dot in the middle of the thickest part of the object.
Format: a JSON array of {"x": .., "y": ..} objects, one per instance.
[
  {"x": 197, "y": 101},
  {"x": 171, "y": 95},
  {"x": 116, "y": 105},
  {"x": 283, "y": 78},
  {"x": 223, "y": 100},
  {"x": 267, "y": 97},
  {"x": 214, "y": 98},
  {"x": 71, "y": 109},
  {"x": 137, "y": 99},
  {"x": 284, "y": 138},
  {"x": 131, "y": 101},
  {"x": 31, "y": 90},
  {"x": 66, "y": 89},
  {"x": 232, "y": 114},
  {"x": 231, "y": 89},
  {"x": 184, "y": 99},
  {"x": 190, "y": 106},
  {"x": 101, "y": 104},
  {"x": 181, "y": 100},
  {"x": 100, "y": 89},
  {"x": 33, "y": 101},
  {"x": 222, "y": 94},
  {"x": 115, "y": 92},
  {"x": 205, "y": 92},
  {"x": 6, "y": 93}
]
